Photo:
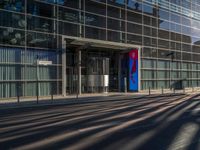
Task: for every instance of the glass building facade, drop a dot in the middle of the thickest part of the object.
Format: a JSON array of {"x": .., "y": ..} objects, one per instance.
[{"x": 32, "y": 29}]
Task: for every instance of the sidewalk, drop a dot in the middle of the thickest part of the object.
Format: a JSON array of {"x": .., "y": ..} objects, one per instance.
[{"x": 84, "y": 98}]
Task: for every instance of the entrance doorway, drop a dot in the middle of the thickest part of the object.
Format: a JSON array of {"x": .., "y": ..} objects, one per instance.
[{"x": 102, "y": 70}]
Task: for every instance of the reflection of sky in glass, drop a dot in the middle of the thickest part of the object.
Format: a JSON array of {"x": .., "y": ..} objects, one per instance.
[
  {"x": 132, "y": 4},
  {"x": 147, "y": 9},
  {"x": 164, "y": 25},
  {"x": 120, "y": 1}
]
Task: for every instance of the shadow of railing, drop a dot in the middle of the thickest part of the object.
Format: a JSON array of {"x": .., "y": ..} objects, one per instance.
[{"x": 155, "y": 123}]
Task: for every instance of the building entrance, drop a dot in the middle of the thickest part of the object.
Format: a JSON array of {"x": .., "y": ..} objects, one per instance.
[{"x": 99, "y": 71}]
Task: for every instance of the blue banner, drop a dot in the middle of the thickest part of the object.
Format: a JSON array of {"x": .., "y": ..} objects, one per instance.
[{"x": 133, "y": 70}]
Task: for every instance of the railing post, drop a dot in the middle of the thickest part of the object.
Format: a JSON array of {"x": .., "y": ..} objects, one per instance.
[
  {"x": 149, "y": 91},
  {"x": 18, "y": 97},
  {"x": 52, "y": 93},
  {"x": 37, "y": 80}
]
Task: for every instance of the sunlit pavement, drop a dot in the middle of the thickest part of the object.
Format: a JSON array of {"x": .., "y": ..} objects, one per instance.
[{"x": 148, "y": 123}]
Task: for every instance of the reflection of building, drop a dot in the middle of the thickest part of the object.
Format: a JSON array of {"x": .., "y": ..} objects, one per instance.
[{"x": 97, "y": 41}]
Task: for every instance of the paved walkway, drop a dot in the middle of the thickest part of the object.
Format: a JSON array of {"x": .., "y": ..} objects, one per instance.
[{"x": 149, "y": 123}]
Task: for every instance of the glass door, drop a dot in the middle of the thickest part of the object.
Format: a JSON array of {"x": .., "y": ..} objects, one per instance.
[{"x": 71, "y": 80}]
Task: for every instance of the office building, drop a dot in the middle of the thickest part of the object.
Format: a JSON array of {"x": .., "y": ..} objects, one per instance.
[{"x": 92, "y": 46}]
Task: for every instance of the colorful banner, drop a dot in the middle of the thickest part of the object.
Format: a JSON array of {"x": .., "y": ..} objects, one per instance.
[{"x": 133, "y": 70}]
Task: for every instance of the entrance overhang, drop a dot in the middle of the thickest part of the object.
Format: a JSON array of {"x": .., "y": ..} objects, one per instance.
[{"x": 68, "y": 40}]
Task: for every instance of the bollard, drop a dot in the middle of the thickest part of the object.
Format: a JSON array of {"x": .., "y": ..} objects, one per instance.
[
  {"x": 174, "y": 90},
  {"x": 18, "y": 98},
  {"x": 192, "y": 89},
  {"x": 184, "y": 90},
  {"x": 37, "y": 99},
  {"x": 162, "y": 91},
  {"x": 52, "y": 96},
  {"x": 149, "y": 91},
  {"x": 125, "y": 85},
  {"x": 52, "y": 89}
]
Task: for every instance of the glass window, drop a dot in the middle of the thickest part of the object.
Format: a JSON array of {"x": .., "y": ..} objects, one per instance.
[
  {"x": 185, "y": 66},
  {"x": 150, "y": 31},
  {"x": 178, "y": 46},
  {"x": 113, "y": 24},
  {"x": 115, "y": 12},
  {"x": 98, "y": 8},
  {"x": 148, "y": 84},
  {"x": 164, "y": 25},
  {"x": 163, "y": 44},
  {"x": 163, "y": 64},
  {"x": 12, "y": 5},
  {"x": 67, "y": 3},
  {"x": 175, "y": 18},
  {"x": 95, "y": 20},
  {"x": 165, "y": 54},
  {"x": 163, "y": 84},
  {"x": 134, "y": 39},
  {"x": 178, "y": 37},
  {"x": 148, "y": 74},
  {"x": 165, "y": 74},
  {"x": 11, "y": 55},
  {"x": 147, "y": 9},
  {"x": 114, "y": 36},
  {"x": 186, "y": 21},
  {"x": 134, "y": 4},
  {"x": 194, "y": 67},
  {"x": 151, "y": 21},
  {"x": 148, "y": 63},
  {"x": 172, "y": 45},
  {"x": 69, "y": 15},
  {"x": 186, "y": 4},
  {"x": 95, "y": 33},
  {"x": 186, "y": 56},
  {"x": 195, "y": 48},
  {"x": 163, "y": 34},
  {"x": 134, "y": 28},
  {"x": 12, "y": 36},
  {"x": 150, "y": 41},
  {"x": 40, "y": 9},
  {"x": 186, "y": 39},
  {"x": 175, "y": 27},
  {"x": 195, "y": 32},
  {"x": 164, "y": 14},
  {"x": 186, "y": 30},
  {"x": 149, "y": 52},
  {"x": 186, "y": 48},
  {"x": 40, "y": 24},
  {"x": 41, "y": 40},
  {"x": 134, "y": 17},
  {"x": 195, "y": 23},
  {"x": 9, "y": 19},
  {"x": 64, "y": 29}
]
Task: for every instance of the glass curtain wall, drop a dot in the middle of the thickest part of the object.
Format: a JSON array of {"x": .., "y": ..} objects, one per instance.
[
  {"x": 28, "y": 31},
  {"x": 33, "y": 27}
]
